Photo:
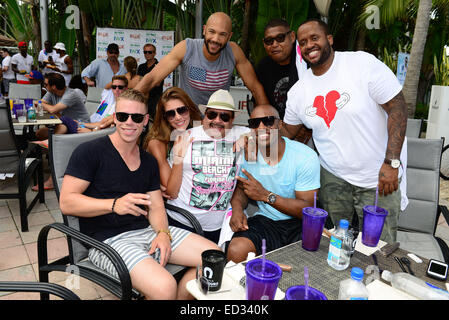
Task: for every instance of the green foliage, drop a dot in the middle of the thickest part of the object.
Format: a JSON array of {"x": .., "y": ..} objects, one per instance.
[
  {"x": 422, "y": 112},
  {"x": 20, "y": 21},
  {"x": 441, "y": 69}
]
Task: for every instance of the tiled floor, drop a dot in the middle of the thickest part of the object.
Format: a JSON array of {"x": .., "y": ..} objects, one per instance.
[{"x": 18, "y": 251}]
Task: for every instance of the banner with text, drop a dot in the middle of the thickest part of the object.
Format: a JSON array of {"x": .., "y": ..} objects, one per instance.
[{"x": 131, "y": 42}]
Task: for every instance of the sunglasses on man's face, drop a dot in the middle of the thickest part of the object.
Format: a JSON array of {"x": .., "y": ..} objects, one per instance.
[
  {"x": 170, "y": 114},
  {"x": 211, "y": 115},
  {"x": 114, "y": 52},
  {"x": 148, "y": 52},
  {"x": 279, "y": 38},
  {"x": 114, "y": 86},
  {"x": 267, "y": 121},
  {"x": 123, "y": 116}
]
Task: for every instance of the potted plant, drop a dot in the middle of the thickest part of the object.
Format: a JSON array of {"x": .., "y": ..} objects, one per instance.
[{"x": 439, "y": 100}]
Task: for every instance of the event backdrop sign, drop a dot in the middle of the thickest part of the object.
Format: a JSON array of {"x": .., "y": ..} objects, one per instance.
[
  {"x": 131, "y": 42},
  {"x": 402, "y": 66}
]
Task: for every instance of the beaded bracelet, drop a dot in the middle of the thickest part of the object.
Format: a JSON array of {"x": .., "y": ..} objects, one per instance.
[{"x": 113, "y": 204}]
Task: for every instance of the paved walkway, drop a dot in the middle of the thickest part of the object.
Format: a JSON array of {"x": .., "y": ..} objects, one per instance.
[{"x": 18, "y": 251}]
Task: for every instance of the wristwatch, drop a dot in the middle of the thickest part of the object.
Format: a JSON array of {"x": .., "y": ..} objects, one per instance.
[
  {"x": 394, "y": 163},
  {"x": 271, "y": 198}
]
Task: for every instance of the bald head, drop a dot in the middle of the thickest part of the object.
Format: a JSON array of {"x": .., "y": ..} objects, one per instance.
[
  {"x": 264, "y": 110},
  {"x": 220, "y": 19}
]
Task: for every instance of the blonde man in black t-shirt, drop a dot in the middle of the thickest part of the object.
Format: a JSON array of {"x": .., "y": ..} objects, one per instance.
[{"x": 113, "y": 186}]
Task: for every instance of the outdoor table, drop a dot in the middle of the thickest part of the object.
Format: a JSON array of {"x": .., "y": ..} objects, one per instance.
[
  {"x": 327, "y": 280},
  {"x": 47, "y": 119},
  {"x": 321, "y": 276}
]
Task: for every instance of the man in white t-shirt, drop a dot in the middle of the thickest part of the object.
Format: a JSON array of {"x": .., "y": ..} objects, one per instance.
[
  {"x": 22, "y": 63},
  {"x": 355, "y": 107},
  {"x": 206, "y": 165},
  {"x": 47, "y": 56},
  {"x": 8, "y": 74}
]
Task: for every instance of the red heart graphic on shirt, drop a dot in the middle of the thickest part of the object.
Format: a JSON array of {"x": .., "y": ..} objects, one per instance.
[{"x": 327, "y": 109}]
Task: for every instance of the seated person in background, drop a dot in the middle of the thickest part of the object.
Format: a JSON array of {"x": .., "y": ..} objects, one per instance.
[
  {"x": 204, "y": 167},
  {"x": 77, "y": 83},
  {"x": 37, "y": 78},
  {"x": 65, "y": 102},
  {"x": 107, "y": 105},
  {"x": 111, "y": 207},
  {"x": 282, "y": 180},
  {"x": 175, "y": 113},
  {"x": 131, "y": 74}
]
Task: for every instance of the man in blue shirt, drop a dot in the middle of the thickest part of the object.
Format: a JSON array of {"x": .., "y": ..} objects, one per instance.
[
  {"x": 104, "y": 69},
  {"x": 282, "y": 180}
]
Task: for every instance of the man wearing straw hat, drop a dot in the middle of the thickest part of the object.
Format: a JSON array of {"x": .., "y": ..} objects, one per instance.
[
  {"x": 283, "y": 180},
  {"x": 205, "y": 165}
]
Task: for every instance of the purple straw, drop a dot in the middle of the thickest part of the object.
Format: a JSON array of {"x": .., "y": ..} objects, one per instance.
[
  {"x": 375, "y": 201},
  {"x": 264, "y": 249},
  {"x": 314, "y": 200},
  {"x": 306, "y": 283}
]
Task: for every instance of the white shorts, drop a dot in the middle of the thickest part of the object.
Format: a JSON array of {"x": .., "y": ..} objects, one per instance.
[{"x": 133, "y": 247}]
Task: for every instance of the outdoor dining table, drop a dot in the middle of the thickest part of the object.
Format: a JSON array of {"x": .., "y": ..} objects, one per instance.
[
  {"x": 323, "y": 277},
  {"x": 327, "y": 280},
  {"x": 47, "y": 119}
]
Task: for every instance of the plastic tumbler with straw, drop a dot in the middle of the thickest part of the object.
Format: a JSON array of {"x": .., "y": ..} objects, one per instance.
[
  {"x": 373, "y": 223},
  {"x": 304, "y": 292},
  {"x": 313, "y": 220},
  {"x": 262, "y": 277}
]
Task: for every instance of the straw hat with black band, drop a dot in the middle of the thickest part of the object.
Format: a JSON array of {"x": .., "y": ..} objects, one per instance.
[{"x": 220, "y": 100}]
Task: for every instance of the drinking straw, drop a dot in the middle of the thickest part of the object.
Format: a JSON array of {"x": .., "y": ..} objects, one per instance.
[
  {"x": 314, "y": 200},
  {"x": 306, "y": 283},
  {"x": 264, "y": 249},
  {"x": 375, "y": 201}
]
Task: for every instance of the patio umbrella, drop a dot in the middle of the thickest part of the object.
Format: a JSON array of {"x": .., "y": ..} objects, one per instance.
[{"x": 7, "y": 42}]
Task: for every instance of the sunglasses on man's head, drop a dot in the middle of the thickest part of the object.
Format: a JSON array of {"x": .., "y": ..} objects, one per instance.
[
  {"x": 123, "y": 116},
  {"x": 114, "y": 86},
  {"x": 148, "y": 52},
  {"x": 170, "y": 114},
  {"x": 211, "y": 115},
  {"x": 267, "y": 121},
  {"x": 279, "y": 38}
]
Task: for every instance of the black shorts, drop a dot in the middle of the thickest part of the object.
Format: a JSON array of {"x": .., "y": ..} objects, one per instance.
[{"x": 276, "y": 233}]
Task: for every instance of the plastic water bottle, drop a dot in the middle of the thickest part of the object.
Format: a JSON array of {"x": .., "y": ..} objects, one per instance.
[
  {"x": 40, "y": 108},
  {"x": 414, "y": 286},
  {"x": 31, "y": 114},
  {"x": 340, "y": 247},
  {"x": 353, "y": 289}
]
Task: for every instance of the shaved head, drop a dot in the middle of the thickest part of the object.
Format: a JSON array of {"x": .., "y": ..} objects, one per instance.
[
  {"x": 263, "y": 110},
  {"x": 220, "y": 18}
]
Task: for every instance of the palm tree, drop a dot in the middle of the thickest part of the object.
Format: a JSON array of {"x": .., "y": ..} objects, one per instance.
[
  {"x": 394, "y": 10},
  {"x": 410, "y": 88}
]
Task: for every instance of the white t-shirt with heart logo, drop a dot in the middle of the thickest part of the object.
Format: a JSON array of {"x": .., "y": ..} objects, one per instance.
[{"x": 342, "y": 107}]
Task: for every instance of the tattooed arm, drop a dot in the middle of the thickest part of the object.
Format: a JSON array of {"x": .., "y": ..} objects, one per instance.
[{"x": 396, "y": 126}]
